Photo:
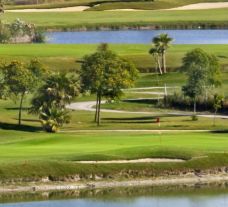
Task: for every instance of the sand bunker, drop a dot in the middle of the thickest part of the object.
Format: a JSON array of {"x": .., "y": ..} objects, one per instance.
[
  {"x": 199, "y": 6},
  {"x": 66, "y": 9},
  {"x": 146, "y": 160}
]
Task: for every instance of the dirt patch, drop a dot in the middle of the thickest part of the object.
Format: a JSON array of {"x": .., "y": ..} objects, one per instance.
[{"x": 66, "y": 9}]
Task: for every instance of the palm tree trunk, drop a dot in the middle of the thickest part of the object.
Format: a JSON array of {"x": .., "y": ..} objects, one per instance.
[
  {"x": 99, "y": 110},
  {"x": 164, "y": 62},
  {"x": 159, "y": 65},
  {"x": 20, "y": 108}
]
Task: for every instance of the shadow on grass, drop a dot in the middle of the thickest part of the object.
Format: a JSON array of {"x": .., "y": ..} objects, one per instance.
[
  {"x": 17, "y": 108},
  {"x": 25, "y": 128},
  {"x": 222, "y": 131}
]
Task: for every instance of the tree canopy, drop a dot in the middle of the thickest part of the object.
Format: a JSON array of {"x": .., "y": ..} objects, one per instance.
[{"x": 106, "y": 74}]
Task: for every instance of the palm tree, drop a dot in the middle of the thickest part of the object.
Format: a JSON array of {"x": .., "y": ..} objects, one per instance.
[
  {"x": 52, "y": 118},
  {"x": 162, "y": 43},
  {"x": 50, "y": 102},
  {"x": 156, "y": 54}
]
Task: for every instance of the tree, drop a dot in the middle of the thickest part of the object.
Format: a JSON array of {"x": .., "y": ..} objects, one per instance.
[
  {"x": 2, "y": 6},
  {"x": 105, "y": 74},
  {"x": 162, "y": 43},
  {"x": 203, "y": 72},
  {"x": 156, "y": 54},
  {"x": 195, "y": 83},
  {"x": 19, "y": 81},
  {"x": 58, "y": 90},
  {"x": 218, "y": 100}
]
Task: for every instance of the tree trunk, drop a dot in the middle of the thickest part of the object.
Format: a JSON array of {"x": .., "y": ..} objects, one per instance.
[
  {"x": 95, "y": 118},
  {"x": 214, "y": 117},
  {"x": 194, "y": 106},
  {"x": 20, "y": 108},
  {"x": 159, "y": 65},
  {"x": 99, "y": 110},
  {"x": 163, "y": 62}
]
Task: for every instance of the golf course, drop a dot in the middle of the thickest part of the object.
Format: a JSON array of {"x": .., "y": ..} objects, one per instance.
[{"x": 92, "y": 115}]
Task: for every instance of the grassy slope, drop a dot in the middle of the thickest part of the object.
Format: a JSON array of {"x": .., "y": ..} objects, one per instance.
[
  {"x": 78, "y": 19},
  {"x": 112, "y": 4},
  {"x": 52, "y": 154},
  {"x": 64, "y": 56}
]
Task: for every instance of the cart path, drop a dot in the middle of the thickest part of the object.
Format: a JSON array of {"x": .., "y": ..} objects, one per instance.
[{"x": 88, "y": 106}]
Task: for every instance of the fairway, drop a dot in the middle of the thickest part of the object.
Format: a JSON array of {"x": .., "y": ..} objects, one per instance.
[
  {"x": 63, "y": 57},
  {"x": 108, "y": 146},
  {"x": 115, "y": 19}
]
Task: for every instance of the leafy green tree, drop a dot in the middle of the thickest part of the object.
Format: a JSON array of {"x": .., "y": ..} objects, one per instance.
[
  {"x": 18, "y": 79},
  {"x": 162, "y": 43},
  {"x": 203, "y": 72},
  {"x": 218, "y": 100},
  {"x": 106, "y": 74},
  {"x": 156, "y": 54},
  {"x": 195, "y": 83},
  {"x": 58, "y": 90}
]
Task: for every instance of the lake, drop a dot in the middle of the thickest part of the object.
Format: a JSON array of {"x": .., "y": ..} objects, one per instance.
[
  {"x": 194, "y": 196},
  {"x": 138, "y": 36}
]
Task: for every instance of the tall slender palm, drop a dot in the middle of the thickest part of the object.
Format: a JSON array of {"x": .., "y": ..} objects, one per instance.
[
  {"x": 156, "y": 54},
  {"x": 162, "y": 43}
]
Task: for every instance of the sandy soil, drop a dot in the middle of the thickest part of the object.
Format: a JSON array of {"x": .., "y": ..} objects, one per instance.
[
  {"x": 66, "y": 9},
  {"x": 146, "y": 160},
  {"x": 199, "y": 6}
]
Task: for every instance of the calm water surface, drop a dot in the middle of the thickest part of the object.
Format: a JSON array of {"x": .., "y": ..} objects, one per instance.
[
  {"x": 139, "y": 36},
  {"x": 134, "y": 197}
]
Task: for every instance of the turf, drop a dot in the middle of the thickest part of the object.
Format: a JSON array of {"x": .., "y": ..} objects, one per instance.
[
  {"x": 114, "y": 19},
  {"x": 109, "y": 4},
  {"x": 63, "y": 56},
  {"x": 31, "y": 156}
]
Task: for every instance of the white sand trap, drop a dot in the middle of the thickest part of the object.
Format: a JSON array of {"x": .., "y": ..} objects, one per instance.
[
  {"x": 146, "y": 160},
  {"x": 66, "y": 9},
  {"x": 124, "y": 10},
  {"x": 199, "y": 6}
]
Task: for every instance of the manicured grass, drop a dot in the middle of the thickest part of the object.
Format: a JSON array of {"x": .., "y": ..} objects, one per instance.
[
  {"x": 63, "y": 57},
  {"x": 112, "y": 4},
  {"x": 27, "y": 146},
  {"x": 30, "y": 156},
  {"x": 67, "y": 20}
]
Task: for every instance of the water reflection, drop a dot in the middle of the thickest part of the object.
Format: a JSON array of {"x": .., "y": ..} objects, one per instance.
[
  {"x": 139, "y": 36},
  {"x": 177, "y": 196}
]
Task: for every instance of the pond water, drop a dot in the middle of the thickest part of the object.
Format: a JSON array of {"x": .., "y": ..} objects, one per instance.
[
  {"x": 139, "y": 36},
  {"x": 131, "y": 197}
]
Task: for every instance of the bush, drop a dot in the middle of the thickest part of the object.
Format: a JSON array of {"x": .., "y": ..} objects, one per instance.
[
  {"x": 39, "y": 37},
  {"x": 182, "y": 102}
]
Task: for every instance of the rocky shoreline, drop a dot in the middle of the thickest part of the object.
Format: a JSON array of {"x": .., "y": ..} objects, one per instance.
[{"x": 188, "y": 179}]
